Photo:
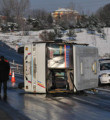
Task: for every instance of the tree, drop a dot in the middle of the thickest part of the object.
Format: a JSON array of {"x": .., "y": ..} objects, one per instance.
[
  {"x": 15, "y": 9},
  {"x": 84, "y": 20},
  {"x": 94, "y": 24},
  {"x": 6, "y": 8},
  {"x": 71, "y": 34},
  {"x": 79, "y": 25},
  {"x": 50, "y": 19},
  {"x": 44, "y": 36},
  {"x": 47, "y": 36},
  {"x": 104, "y": 14},
  {"x": 39, "y": 14},
  {"x": 43, "y": 18},
  {"x": 66, "y": 21},
  {"x": 58, "y": 32},
  {"x": 63, "y": 24},
  {"x": 51, "y": 36}
]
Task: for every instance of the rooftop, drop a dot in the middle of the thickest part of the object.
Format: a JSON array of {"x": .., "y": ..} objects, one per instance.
[{"x": 65, "y": 10}]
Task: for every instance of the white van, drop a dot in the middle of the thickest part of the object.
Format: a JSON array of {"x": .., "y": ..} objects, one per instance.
[
  {"x": 104, "y": 75},
  {"x": 51, "y": 67}
]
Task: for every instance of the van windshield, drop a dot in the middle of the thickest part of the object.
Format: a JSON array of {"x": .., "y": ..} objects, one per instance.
[
  {"x": 60, "y": 56},
  {"x": 105, "y": 66}
]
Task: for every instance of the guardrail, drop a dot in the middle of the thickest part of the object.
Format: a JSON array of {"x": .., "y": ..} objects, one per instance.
[
  {"x": 100, "y": 89},
  {"x": 17, "y": 68}
]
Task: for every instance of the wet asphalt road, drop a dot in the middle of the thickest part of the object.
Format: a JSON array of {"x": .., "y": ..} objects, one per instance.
[
  {"x": 87, "y": 106},
  {"x": 66, "y": 107}
]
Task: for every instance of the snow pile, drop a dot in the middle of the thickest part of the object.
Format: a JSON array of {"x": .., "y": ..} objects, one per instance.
[{"x": 18, "y": 38}]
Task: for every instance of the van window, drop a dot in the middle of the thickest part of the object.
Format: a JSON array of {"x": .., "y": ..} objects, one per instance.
[
  {"x": 60, "y": 56},
  {"x": 105, "y": 66}
]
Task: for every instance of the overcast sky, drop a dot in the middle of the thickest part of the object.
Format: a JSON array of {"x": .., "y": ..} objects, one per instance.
[{"x": 87, "y": 6}]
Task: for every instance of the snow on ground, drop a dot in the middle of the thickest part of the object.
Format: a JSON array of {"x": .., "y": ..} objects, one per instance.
[
  {"x": 14, "y": 38},
  {"x": 103, "y": 45},
  {"x": 18, "y": 38}
]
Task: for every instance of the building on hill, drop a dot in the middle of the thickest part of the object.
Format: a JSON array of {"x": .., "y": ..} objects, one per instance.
[{"x": 63, "y": 13}]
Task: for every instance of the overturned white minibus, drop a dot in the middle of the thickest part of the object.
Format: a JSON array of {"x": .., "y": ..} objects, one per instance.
[{"x": 51, "y": 67}]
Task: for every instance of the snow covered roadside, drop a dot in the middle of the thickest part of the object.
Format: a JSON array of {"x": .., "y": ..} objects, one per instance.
[
  {"x": 103, "y": 45},
  {"x": 17, "y": 38},
  {"x": 14, "y": 38}
]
